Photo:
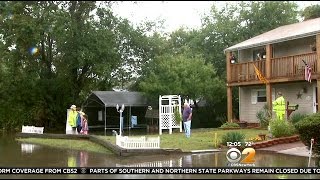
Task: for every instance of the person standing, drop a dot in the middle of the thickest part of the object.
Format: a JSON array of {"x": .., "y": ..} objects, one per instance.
[
  {"x": 72, "y": 119},
  {"x": 79, "y": 120},
  {"x": 187, "y": 115},
  {"x": 279, "y": 106},
  {"x": 84, "y": 124}
]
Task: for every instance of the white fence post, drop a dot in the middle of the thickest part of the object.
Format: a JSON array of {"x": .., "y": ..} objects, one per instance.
[
  {"x": 138, "y": 142},
  {"x": 32, "y": 129}
]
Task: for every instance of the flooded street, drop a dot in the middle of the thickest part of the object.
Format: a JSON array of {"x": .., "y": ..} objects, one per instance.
[{"x": 16, "y": 154}]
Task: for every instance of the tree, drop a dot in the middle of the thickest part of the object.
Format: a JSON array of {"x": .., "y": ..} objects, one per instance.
[
  {"x": 54, "y": 53},
  {"x": 180, "y": 74},
  {"x": 235, "y": 23},
  {"x": 311, "y": 12}
]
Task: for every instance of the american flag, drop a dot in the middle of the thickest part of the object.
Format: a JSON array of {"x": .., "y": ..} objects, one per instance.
[{"x": 307, "y": 72}]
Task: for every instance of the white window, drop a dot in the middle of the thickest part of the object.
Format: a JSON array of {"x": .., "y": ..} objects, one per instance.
[{"x": 260, "y": 95}]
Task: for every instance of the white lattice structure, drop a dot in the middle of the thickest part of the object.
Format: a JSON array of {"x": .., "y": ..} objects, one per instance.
[
  {"x": 168, "y": 104},
  {"x": 32, "y": 129},
  {"x": 138, "y": 142}
]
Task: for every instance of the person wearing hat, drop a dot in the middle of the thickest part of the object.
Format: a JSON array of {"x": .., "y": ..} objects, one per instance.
[
  {"x": 279, "y": 106},
  {"x": 72, "y": 118}
]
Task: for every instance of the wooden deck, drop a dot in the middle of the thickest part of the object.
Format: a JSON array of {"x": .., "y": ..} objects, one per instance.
[{"x": 283, "y": 69}]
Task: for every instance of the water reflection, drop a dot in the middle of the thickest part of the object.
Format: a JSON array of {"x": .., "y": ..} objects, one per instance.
[
  {"x": 14, "y": 154},
  {"x": 78, "y": 159},
  {"x": 28, "y": 148}
]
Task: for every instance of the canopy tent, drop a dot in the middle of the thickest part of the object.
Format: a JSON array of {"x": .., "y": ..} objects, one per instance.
[{"x": 110, "y": 99}]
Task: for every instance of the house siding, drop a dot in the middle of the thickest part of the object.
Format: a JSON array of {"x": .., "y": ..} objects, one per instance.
[
  {"x": 293, "y": 47},
  {"x": 298, "y": 46},
  {"x": 248, "y": 110}
]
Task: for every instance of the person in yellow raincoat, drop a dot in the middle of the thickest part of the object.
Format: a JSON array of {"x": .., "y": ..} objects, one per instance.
[
  {"x": 72, "y": 119},
  {"x": 279, "y": 106}
]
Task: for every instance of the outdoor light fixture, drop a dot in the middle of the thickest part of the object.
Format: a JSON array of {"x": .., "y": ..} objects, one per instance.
[{"x": 120, "y": 110}]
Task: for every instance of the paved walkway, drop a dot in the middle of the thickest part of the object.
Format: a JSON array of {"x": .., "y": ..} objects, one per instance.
[{"x": 296, "y": 148}]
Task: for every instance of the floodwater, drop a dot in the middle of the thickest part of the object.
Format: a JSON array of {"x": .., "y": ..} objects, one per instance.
[{"x": 17, "y": 154}]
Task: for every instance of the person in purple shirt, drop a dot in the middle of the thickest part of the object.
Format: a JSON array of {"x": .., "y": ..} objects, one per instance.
[{"x": 187, "y": 115}]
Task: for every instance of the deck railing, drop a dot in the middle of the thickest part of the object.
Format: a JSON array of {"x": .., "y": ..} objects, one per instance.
[{"x": 281, "y": 67}]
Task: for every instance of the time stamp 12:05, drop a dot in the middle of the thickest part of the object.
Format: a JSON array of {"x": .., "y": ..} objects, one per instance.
[{"x": 238, "y": 144}]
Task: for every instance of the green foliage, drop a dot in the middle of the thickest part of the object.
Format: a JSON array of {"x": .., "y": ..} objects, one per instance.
[
  {"x": 75, "y": 54},
  {"x": 311, "y": 12},
  {"x": 177, "y": 114},
  {"x": 78, "y": 53},
  {"x": 309, "y": 128},
  {"x": 264, "y": 116},
  {"x": 230, "y": 125},
  {"x": 297, "y": 117},
  {"x": 233, "y": 136},
  {"x": 237, "y": 22},
  {"x": 281, "y": 128},
  {"x": 181, "y": 74}
]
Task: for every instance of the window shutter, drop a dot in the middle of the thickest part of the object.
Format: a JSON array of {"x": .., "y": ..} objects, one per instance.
[{"x": 254, "y": 95}]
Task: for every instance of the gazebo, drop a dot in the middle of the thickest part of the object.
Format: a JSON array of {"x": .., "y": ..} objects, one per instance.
[{"x": 101, "y": 106}]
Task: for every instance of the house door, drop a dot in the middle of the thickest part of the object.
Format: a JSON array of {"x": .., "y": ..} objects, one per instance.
[{"x": 315, "y": 99}]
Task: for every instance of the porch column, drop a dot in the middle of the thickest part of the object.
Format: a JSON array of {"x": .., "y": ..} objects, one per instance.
[
  {"x": 318, "y": 68},
  {"x": 229, "y": 95},
  {"x": 268, "y": 75},
  {"x": 229, "y": 88}
]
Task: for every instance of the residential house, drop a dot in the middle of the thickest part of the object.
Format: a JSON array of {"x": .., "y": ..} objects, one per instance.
[{"x": 281, "y": 56}]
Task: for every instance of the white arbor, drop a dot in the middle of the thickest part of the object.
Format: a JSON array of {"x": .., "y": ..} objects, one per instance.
[{"x": 168, "y": 105}]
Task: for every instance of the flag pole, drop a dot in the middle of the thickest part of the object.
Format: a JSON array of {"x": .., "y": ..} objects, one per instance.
[
  {"x": 304, "y": 62},
  {"x": 310, "y": 152}
]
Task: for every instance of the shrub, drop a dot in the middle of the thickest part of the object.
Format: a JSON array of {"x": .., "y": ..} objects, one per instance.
[
  {"x": 177, "y": 114},
  {"x": 281, "y": 128},
  {"x": 230, "y": 125},
  {"x": 308, "y": 128},
  {"x": 264, "y": 116},
  {"x": 233, "y": 136},
  {"x": 297, "y": 117}
]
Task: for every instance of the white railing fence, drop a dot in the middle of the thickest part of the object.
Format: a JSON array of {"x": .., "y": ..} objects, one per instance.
[
  {"x": 138, "y": 142},
  {"x": 32, "y": 129}
]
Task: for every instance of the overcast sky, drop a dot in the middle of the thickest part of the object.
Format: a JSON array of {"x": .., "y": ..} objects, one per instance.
[{"x": 175, "y": 13}]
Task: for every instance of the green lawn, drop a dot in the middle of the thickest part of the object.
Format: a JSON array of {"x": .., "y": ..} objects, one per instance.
[{"x": 200, "y": 138}]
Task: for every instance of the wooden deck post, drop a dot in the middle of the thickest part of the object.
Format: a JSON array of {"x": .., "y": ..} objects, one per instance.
[
  {"x": 268, "y": 76},
  {"x": 229, "y": 88},
  {"x": 318, "y": 68}
]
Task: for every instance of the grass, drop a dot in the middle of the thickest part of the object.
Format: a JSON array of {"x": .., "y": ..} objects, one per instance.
[
  {"x": 67, "y": 144},
  {"x": 200, "y": 138}
]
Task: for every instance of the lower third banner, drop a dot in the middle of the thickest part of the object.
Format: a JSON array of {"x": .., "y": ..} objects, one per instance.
[{"x": 162, "y": 170}]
